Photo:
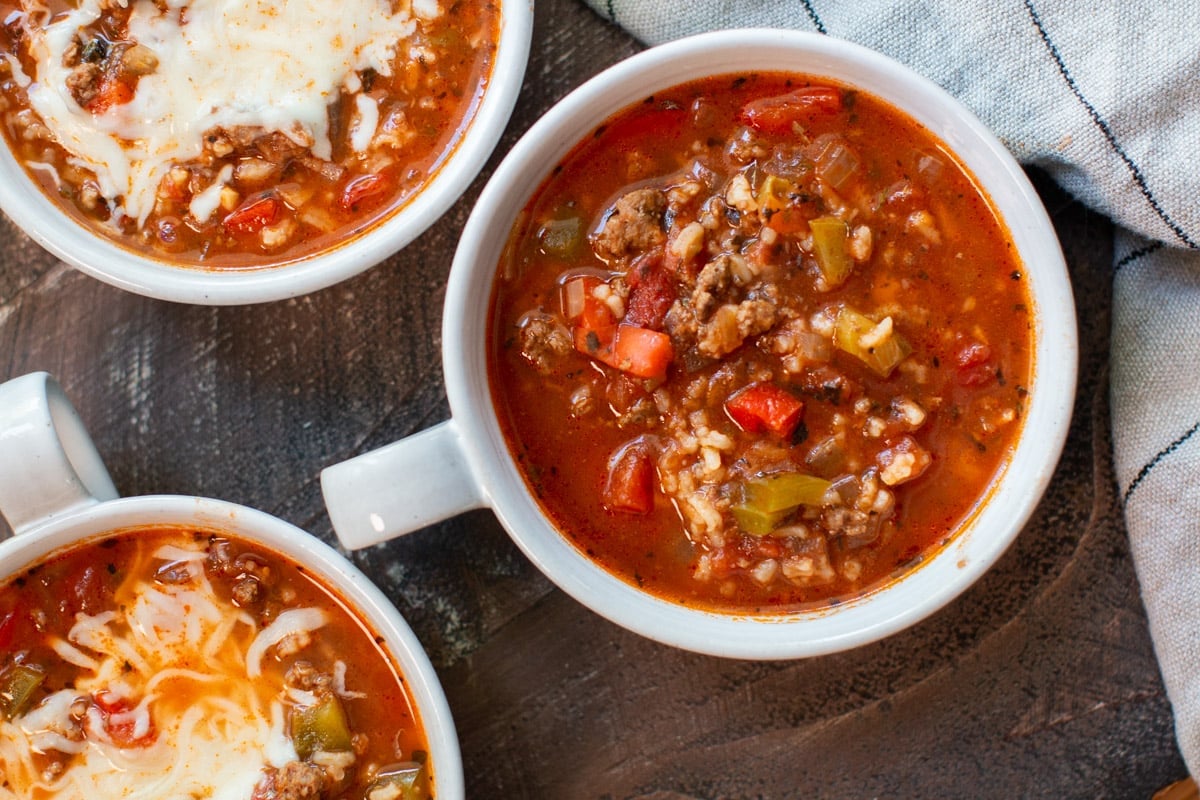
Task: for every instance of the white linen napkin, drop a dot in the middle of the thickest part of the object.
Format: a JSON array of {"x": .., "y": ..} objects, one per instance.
[{"x": 1105, "y": 97}]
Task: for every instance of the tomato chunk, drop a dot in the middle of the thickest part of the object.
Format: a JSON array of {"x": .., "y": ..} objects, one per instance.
[
  {"x": 364, "y": 190},
  {"x": 629, "y": 486},
  {"x": 254, "y": 214},
  {"x": 120, "y": 723},
  {"x": 974, "y": 361},
  {"x": 776, "y": 115},
  {"x": 765, "y": 406},
  {"x": 651, "y": 293}
]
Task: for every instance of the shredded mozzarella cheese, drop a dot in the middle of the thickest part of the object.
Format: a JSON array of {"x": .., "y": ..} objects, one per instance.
[
  {"x": 221, "y": 63},
  {"x": 296, "y": 621},
  {"x": 180, "y": 674}
]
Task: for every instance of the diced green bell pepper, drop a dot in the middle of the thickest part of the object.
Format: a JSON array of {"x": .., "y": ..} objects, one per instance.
[
  {"x": 769, "y": 499},
  {"x": 320, "y": 727},
  {"x": 755, "y": 521},
  {"x": 561, "y": 237},
  {"x": 407, "y": 781},
  {"x": 773, "y": 194},
  {"x": 785, "y": 490},
  {"x": 848, "y": 330},
  {"x": 830, "y": 239},
  {"x": 17, "y": 688}
]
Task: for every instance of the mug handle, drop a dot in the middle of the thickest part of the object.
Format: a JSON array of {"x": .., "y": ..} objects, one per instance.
[
  {"x": 49, "y": 465},
  {"x": 409, "y": 484}
]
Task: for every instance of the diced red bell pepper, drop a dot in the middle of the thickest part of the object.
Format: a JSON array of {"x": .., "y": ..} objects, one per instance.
[
  {"x": 582, "y": 308},
  {"x": 637, "y": 351},
  {"x": 629, "y": 486},
  {"x": 776, "y": 115},
  {"x": 254, "y": 214},
  {"x": 765, "y": 406},
  {"x": 364, "y": 190},
  {"x": 110, "y": 92},
  {"x": 642, "y": 352}
]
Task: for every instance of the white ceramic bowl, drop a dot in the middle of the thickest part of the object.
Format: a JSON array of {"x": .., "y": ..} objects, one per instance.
[
  {"x": 395, "y": 489},
  {"x": 24, "y": 202},
  {"x": 55, "y": 492}
]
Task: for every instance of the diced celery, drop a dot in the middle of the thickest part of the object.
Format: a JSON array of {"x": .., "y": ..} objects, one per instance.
[
  {"x": 785, "y": 491},
  {"x": 882, "y": 356},
  {"x": 830, "y": 238},
  {"x": 17, "y": 688},
  {"x": 320, "y": 727}
]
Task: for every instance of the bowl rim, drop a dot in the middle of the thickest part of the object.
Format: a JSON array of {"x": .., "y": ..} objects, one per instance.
[
  {"x": 947, "y": 572},
  {"x": 88, "y": 523},
  {"x": 76, "y": 244}
]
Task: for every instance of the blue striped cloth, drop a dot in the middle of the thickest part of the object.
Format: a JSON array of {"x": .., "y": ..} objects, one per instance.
[{"x": 1105, "y": 97}]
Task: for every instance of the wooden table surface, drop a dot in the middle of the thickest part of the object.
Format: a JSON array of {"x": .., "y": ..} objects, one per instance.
[{"x": 1040, "y": 681}]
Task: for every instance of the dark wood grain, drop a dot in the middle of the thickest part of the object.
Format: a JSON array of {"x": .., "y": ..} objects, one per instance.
[{"x": 1039, "y": 682}]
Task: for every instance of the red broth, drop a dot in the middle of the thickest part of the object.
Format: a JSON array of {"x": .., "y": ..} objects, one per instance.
[
  {"x": 257, "y": 145},
  {"x": 759, "y": 343},
  {"x": 191, "y": 659}
]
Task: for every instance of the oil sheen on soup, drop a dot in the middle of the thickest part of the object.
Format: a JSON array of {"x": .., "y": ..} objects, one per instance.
[
  {"x": 238, "y": 134},
  {"x": 168, "y": 662},
  {"x": 759, "y": 343}
]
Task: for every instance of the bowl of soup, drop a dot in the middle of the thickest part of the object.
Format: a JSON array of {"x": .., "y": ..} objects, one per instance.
[
  {"x": 210, "y": 154},
  {"x": 182, "y": 646},
  {"x": 758, "y": 344}
]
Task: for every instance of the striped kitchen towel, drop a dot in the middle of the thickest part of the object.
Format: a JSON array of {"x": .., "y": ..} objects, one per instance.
[{"x": 1106, "y": 98}]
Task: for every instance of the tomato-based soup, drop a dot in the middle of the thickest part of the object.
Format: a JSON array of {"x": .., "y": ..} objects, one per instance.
[
  {"x": 168, "y": 662},
  {"x": 760, "y": 343},
  {"x": 238, "y": 135}
]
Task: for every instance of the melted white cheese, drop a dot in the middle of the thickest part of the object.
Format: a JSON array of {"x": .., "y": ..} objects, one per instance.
[
  {"x": 188, "y": 664},
  {"x": 367, "y": 120},
  {"x": 270, "y": 64},
  {"x": 204, "y": 203}
]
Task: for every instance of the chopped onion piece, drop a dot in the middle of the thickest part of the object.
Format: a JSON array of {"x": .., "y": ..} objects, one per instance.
[
  {"x": 813, "y": 346},
  {"x": 930, "y": 168},
  {"x": 574, "y": 293},
  {"x": 834, "y": 159}
]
